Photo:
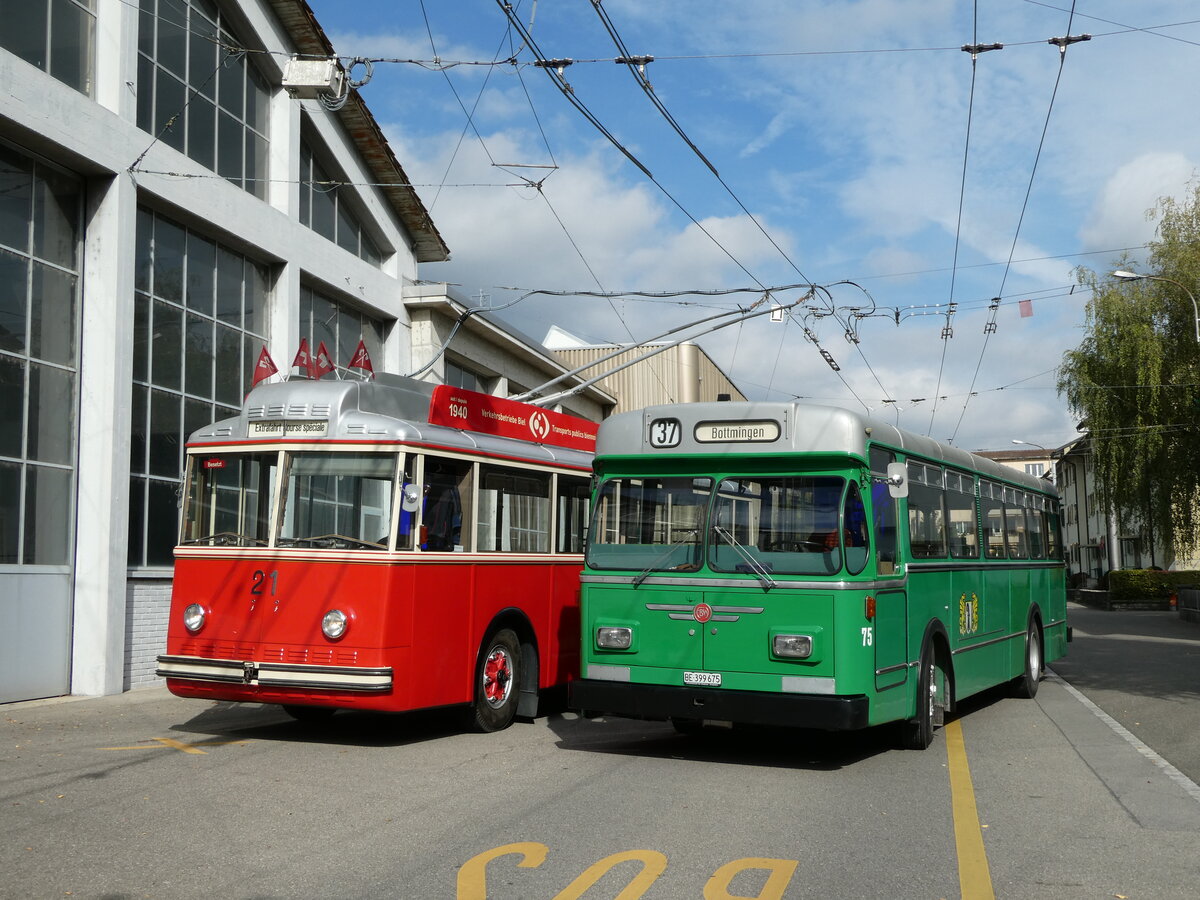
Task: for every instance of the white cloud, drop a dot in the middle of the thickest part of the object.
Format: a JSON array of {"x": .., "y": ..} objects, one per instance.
[
  {"x": 1118, "y": 216},
  {"x": 852, "y": 160}
]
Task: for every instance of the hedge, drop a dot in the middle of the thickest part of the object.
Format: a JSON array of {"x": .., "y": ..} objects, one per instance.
[{"x": 1131, "y": 585}]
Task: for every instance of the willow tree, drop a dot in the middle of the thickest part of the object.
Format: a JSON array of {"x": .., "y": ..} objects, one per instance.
[{"x": 1135, "y": 382}]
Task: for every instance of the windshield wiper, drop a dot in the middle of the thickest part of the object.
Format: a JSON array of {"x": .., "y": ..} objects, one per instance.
[
  {"x": 671, "y": 548},
  {"x": 225, "y": 539},
  {"x": 757, "y": 569},
  {"x": 339, "y": 542}
]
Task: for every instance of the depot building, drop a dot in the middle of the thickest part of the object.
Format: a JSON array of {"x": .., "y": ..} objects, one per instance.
[{"x": 169, "y": 207}]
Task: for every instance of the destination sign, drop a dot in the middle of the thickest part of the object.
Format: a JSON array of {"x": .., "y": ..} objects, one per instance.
[
  {"x": 739, "y": 432},
  {"x": 473, "y": 411},
  {"x": 282, "y": 429}
]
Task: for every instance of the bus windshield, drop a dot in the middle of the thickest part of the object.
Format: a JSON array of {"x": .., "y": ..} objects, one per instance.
[
  {"x": 787, "y": 524},
  {"x": 229, "y": 499},
  {"x": 649, "y": 524},
  {"x": 793, "y": 525},
  {"x": 338, "y": 500}
]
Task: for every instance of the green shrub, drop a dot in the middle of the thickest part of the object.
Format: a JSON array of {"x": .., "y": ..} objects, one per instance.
[{"x": 1130, "y": 585}]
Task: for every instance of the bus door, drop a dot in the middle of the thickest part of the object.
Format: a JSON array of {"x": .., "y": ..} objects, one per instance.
[{"x": 889, "y": 634}]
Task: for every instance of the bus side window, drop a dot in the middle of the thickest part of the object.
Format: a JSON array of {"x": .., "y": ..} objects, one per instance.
[
  {"x": 992, "y": 508},
  {"x": 514, "y": 510},
  {"x": 926, "y": 512},
  {"x": 446, "y": 483},
  {"x": 960, "y": 507},
  {"x": 574, "y": 510}
]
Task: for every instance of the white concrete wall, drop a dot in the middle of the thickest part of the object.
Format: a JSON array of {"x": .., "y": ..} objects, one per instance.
[{"x": 119, "y": 624}]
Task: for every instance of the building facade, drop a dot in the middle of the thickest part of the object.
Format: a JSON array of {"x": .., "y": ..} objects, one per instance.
[
  {"x": 167, "y": 210},
  {"x": 647, "y": 374}
]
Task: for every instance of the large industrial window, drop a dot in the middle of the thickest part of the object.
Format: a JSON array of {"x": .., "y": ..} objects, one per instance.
[
  {"x": 40, "y": 229},
  {"x": 199, "y": 323},
  {"x": 58, "y": 37},
  {"x": 327, "y": 207},
  {"x": 340, "y": 327},
  {"x": 198, "y": 95}
]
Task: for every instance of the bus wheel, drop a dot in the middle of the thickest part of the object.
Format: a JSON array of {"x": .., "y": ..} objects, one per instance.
[
  {"x": 932, "y": 700},
  {"x": 309, "y": 713},
  {"x": 1026, "y": 684},
  {"x": 497, "y": 682}
]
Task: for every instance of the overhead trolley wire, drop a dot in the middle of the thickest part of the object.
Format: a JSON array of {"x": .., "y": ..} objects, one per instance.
[
  {"x": 974, "y": 48},
  {"x": 555, "y": 72},
  {"x": 1062, "y": 44},
  {"x": 637, "y": 68}
]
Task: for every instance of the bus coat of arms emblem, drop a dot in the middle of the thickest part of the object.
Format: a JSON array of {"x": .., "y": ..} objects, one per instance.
[{"x": 968, "y": 614}]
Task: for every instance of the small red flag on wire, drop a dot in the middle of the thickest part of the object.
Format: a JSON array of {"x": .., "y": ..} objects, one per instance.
[
  {"x": 322, "y": 363},
  {"x": 304, "y": 359},
  {"x": 1026, "y": 308},
  {"x": 264, "y": 368},
  {"x": 362, "y": 359}
]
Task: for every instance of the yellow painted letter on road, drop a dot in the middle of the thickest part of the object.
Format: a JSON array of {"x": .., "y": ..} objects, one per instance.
[
  {"x": 653, "y": 865},
  {"x": 472, "y": 877},
  {"x": 779, "y": 875}
]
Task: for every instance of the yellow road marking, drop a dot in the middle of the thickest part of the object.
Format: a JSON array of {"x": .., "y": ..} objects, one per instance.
[
  {"x": 171, "y": 744},
  {"x": 974, "y": 877}
]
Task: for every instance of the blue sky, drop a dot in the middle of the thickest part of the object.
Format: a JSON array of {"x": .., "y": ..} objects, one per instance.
[{"x": 842, "y": 128}]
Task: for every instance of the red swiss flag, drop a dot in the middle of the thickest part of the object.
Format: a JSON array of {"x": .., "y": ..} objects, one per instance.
[
  {"x": 361, "y": 359},
  {"x": 264, "y": 368},
  {"x": 322, "y": 363},
  {"x": 304, "y": 359}
]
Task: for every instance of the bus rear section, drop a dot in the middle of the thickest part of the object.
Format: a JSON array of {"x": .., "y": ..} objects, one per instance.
[
  {"x": 426, "y": 566},
  {"x": 766, "y": 564}
]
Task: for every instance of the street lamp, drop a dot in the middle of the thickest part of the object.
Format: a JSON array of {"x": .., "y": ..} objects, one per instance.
[
  {"x": 1134, "y": 276},
  {"x": 1031, "y": 444}
]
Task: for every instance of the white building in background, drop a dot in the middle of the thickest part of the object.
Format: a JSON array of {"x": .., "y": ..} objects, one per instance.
[{"x": 166, "y": 210}]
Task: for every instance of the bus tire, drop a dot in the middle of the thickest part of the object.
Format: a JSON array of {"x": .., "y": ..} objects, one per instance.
[
  {"x": 932, "y": 686},
  {"x": 497, "y": 682},
  {"x": 310, "y": 714},
  {"x": 1025, "y": 685}
]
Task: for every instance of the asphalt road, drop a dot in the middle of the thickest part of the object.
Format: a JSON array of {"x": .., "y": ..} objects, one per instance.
[{"x": 148, "y": 795}]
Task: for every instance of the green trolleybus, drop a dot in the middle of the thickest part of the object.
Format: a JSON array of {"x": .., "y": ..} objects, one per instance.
[{"x": 793, "y": 564}]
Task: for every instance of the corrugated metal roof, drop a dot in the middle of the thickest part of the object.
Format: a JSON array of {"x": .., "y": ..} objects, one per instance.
[{"x": 310, "y": 40}]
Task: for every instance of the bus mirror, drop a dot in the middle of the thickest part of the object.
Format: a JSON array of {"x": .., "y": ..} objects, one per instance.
[
  {"x": 410, "y": 497},
  {"x": 897, "y": 479}
]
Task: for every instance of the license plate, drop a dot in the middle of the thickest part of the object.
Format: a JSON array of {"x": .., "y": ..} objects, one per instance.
[{"x": 707, "y": 679}]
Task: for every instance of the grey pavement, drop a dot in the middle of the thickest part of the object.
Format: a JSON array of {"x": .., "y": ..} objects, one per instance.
[{"x": 1142, "y": 668}]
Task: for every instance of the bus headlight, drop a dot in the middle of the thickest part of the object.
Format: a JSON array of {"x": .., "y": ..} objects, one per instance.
[
  {"x": 333, "y": 626},
  {"x": 193, "y": 618},
  {"x": 792, "y": 646},
  {"x": 614, "y": 638}
]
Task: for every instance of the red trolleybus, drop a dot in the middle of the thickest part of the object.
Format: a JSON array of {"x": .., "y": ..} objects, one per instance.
[
  {"x": 383, "y": 545},
  {"x": 790, "y": 564}
]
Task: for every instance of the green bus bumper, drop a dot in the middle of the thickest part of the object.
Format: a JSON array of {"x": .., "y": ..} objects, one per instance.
[{"x": 661, "y": 702}]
